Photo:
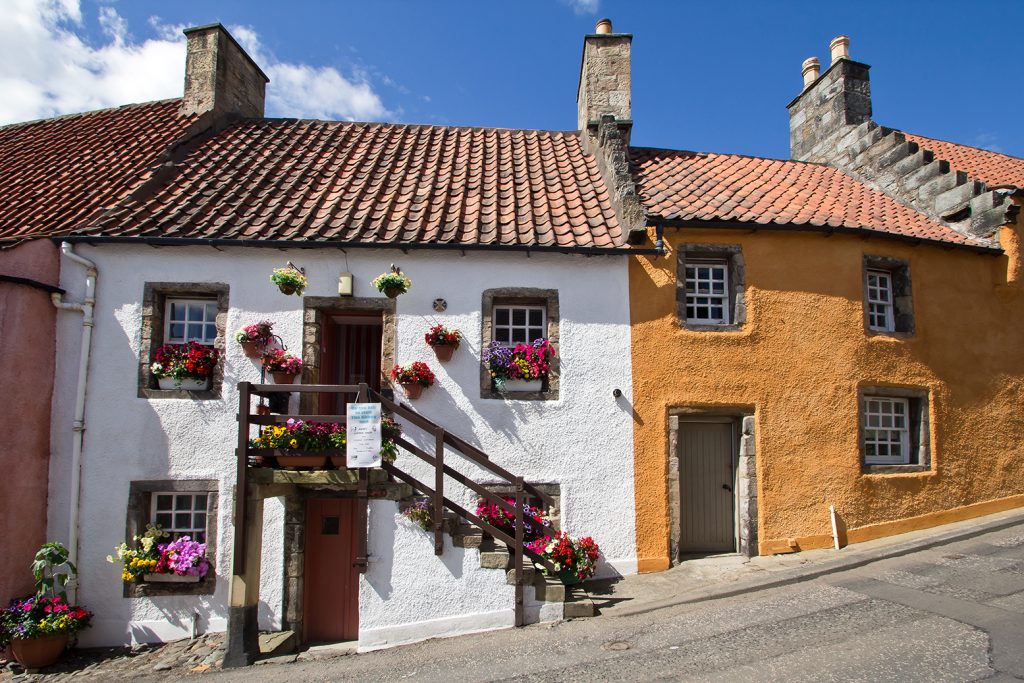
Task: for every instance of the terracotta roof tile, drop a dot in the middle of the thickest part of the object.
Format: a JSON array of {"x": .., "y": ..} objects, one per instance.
[
  {"x": 679, "y": 185},
  {"x": 57, "y": 173},
  {"x": 376, "y": 182},
  {"x": 992, "y": 168}
]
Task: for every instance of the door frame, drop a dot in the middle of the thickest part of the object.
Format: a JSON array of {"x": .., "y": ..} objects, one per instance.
[
  {"x": 744, "y": 486},
  {"x": 315, "y": 308}
]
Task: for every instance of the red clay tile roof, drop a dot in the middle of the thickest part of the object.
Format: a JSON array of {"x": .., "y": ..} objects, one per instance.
[
  {"x": 56, "y": 173},
  {"x": 992, "y": 168},
  {"x": 678, "y": 185},
  {"x": 379, "y": 183}
]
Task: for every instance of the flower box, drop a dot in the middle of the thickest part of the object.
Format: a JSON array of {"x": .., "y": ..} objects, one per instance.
[
  {"x": 530, "y": 385},
  {"x": 169, "y": 578},
  {"x": 185, "y": 383}
]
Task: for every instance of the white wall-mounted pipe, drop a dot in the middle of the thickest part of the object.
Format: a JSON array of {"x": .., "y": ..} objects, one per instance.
[
  {"x": 835, "y": 525},
  {"x": 86, "y": 308}
]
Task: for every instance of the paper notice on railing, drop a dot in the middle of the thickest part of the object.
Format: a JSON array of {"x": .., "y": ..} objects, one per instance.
[{"x": 363, "y": 435}]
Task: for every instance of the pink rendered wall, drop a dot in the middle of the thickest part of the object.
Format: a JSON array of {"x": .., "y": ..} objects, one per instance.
[{"x": 27, "y": 330}]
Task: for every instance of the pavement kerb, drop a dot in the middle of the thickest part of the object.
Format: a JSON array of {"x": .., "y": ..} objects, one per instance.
[{"x": 940, "y": 536}]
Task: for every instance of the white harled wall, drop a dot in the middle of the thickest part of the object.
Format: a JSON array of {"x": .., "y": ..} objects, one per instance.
[{"x": 582, "y": 441}]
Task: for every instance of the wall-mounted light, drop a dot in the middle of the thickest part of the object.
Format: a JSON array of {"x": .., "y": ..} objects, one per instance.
[{"x": 345, "y": 284}]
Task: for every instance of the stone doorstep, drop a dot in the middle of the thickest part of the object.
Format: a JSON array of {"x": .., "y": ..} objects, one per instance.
[{"x": 278, "y": 643}]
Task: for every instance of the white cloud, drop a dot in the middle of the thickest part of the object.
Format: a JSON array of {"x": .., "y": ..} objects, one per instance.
[
  {"x": 583, "y": 6},
  {"x": 48, "y": 68}
]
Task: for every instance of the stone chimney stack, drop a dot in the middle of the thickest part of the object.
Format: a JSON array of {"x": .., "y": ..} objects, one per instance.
[
  {"x": 838, "y": 98},
  {"x": 220, "y": 77},
  {"x": 605, "y": 119},
  {"x": 604, "y": 87}
]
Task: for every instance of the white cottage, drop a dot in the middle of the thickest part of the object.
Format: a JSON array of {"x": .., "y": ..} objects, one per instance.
[{"x": 505, "y": 234}]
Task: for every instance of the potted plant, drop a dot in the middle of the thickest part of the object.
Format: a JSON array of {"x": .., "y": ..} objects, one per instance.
[
  {"x": 38, "y": 627},
  {"x": 392, "y": 284},
  {"x": 182, "y": 560},
  {"x": 282, "y": 365},
  {"x": 290, "y": 280},
  {"x": 184, "y": 366},
  {"x": 574, "y": 559},
  {"x": 421, "y": 514},
  {"x": 297, "y": 443},
  {"x": 522, "y": 367},
  {"x": 413, "y": 378},
  {"x": 255, "y": 338},
  {"x": 443, "y": 341},
  {"x": 535, "y": 521}
]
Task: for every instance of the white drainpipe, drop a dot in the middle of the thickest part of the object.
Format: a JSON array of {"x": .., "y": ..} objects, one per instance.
[{"x": 78, "y": 426}]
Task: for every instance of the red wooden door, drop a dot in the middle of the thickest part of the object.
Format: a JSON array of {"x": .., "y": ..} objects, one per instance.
[
  {"x": 350, "y": 354},
  {"x": 331, "y": 590}
]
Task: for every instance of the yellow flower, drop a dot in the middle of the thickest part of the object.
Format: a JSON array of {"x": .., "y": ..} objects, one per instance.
[{"x": 294, "y": 444}]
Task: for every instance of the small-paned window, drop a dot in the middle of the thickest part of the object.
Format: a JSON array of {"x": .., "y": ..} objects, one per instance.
[
  {"x": 880, "y": 301},
  {"x": 888, "y": 302},
  {"x": 180, "y": 514},
  {"x": 707, "y": 292},
  {"x": 190, "y": 320},
  {"x": 519, "y": 324},
  {"x": 886, "y": 431}
]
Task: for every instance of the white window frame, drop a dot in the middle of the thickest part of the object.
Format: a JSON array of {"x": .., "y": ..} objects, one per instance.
[
  {"x": 187, "y": 303},
  {"x": 881, "y": 317},
  {"x": 692, "y": 294},
  {"x": 510, "y": 326},
  {"x": 881, "y": 435},
  {"x": 176, "y": 530}
]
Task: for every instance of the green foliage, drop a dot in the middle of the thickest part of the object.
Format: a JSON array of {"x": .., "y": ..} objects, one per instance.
[{"x": 50, "y": 558}]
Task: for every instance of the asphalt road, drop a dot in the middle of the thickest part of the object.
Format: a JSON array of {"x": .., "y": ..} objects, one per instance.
[{"x": 952, "y": 613}]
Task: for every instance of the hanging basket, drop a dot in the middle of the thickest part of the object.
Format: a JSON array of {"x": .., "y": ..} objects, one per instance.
[
  {"x": 444, "y": 352},
  {"x": 412, "y": 391},
  {"x": 283, "y": 377},
  {"x": 252, "y": 349},
  {"x": 392, "y": 292}
]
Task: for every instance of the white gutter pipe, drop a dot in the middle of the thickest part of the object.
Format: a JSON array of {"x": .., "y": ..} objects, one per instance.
[{"x": 86, "y": 308}]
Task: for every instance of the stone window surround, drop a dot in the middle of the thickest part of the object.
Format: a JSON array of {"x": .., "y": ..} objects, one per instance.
[
  {"x": 154, "y": 295},
  {"x": 902, "y": 295},
  {"x": 733, "y": 255},
  {"x": 746, "y": 476},
  {"x": 312, "y": 334},
  {"x": 529, "y": 296},
  {"x": 139, "y": 515},
  {"x": 920, "y": 428}
]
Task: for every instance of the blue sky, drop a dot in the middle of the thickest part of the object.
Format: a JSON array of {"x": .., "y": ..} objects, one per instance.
[{"x": 708, "y": 76}]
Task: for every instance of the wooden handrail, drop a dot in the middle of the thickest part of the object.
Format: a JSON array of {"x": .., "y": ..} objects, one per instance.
[{"x": 441, "y": 469}]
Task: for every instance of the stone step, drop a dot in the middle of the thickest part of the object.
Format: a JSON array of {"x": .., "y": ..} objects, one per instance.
[
  {"x": 494, "y": 559},
  {"x": 529, "y": 576},
  {"x": 579, "y": 607}
]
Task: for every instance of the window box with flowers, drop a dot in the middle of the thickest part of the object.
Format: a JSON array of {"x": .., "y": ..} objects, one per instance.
[
  {"x": 182, "y": 560},
  {"x": 523, "y": 367},
  {"x": 299, "y": 444},
  {"x": 443, "y": 341},
  {"x": 283, "y": 366},
  {"x": 413, "y": 378},
  {"x": 184, "y": 366}
]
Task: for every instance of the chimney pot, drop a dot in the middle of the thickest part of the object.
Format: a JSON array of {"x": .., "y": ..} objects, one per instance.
[
  {"x": 811, "y": 70},
  {"x": 840, "y": 47},
  {"x": 603, "y": 27}
]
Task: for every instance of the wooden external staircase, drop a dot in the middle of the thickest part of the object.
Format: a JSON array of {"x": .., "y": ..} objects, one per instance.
[{"x": 498, "y": 549}]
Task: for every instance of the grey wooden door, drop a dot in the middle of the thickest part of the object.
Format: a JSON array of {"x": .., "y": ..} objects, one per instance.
[{"x": 706, "y": 487}]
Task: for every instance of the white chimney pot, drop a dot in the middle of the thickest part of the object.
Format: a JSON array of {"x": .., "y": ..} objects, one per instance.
[
  {"x": 840, "y": 47},
  {"x": 811, "y": 70}
]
